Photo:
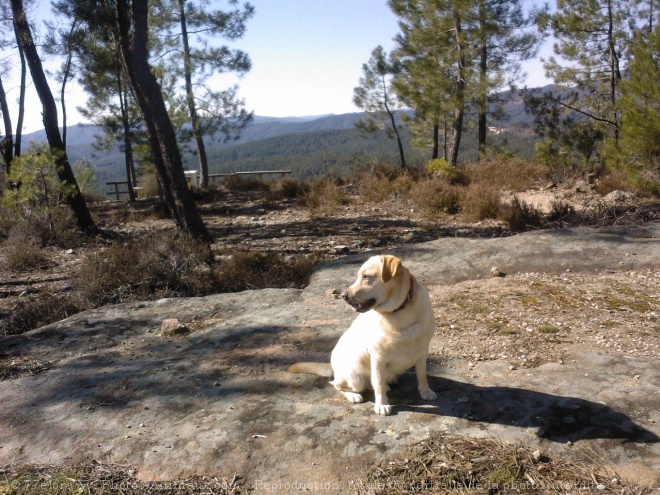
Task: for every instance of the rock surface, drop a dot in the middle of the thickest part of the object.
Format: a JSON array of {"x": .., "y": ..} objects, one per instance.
[{"x": 218, "y": 400}]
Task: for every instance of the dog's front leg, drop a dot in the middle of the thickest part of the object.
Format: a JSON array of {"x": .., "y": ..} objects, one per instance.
[
  {"x": 425, "y": 391},
  {"x": 382, "y": 404}
]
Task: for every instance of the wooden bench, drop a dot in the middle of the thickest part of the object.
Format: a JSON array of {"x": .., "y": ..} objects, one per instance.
[
  {"x": 116, "y": 191},
  {"x": 191, "y": 175}
]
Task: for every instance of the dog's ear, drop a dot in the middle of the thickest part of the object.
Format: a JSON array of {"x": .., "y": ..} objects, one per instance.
[{"x": 391, "y": 265}]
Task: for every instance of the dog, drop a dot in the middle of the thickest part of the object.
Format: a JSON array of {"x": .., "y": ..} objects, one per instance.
[{"x": 390, "y": 335}]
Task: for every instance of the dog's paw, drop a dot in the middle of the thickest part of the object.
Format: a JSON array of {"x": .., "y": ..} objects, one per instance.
[
  {"x": 428, "y": 394},
  {"x": 383, "y": 409},
  {"x": 353, "y": 397}
]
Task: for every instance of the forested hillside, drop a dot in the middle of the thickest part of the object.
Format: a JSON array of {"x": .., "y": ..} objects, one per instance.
[{"x": 311, "y": 147}]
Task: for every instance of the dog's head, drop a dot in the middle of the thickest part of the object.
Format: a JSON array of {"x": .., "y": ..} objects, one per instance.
[{"x": 379, "y": 281}]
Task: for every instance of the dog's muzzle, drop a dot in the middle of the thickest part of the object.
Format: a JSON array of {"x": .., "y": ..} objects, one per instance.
[{"x": 360, "y": 307}]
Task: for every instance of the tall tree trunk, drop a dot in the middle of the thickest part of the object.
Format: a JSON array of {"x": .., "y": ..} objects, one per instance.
[
  {"x": 7, "y": 143},
  {"x": 455, "y": 137},
  {"x": 459, "y": 110},
  {"x": 51, "y": 125},
  {"x": 615, "y": 73},
  {"x": 128, "y": 144},
  {"x": 21, "y": 99},
  {"x": 444, "y": 139},
  {"x": 402, "y": 157},
  {"x": 66, "y": 74},
  {"x": 132, "y": 32},
  {"x": 190, "y": 97},
  {"x": 483, "y": 81},
  {"x": 436, "y": 140}
]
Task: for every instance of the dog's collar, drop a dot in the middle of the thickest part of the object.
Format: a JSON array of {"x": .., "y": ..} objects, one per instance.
[{"x": 408, "y": 297}]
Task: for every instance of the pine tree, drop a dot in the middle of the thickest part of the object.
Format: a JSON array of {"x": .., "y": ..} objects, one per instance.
[
  {"x": 503, "y": 38},
  {"x": 639, "y": 141},
  {"x": 456, "y": 54},
  {"x": 131, "y": 29},
  {"x": 592, "y": 43},
  {"x": 375, "y": 96},
  {"x": 50, "y": 120},
  {"x": 126, "y": 22},
  {"x": 434, "y": 52},
  {"x": 190, "y": 29}
]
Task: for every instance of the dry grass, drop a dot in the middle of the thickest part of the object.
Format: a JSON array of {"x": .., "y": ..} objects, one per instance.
[
  {"x": 249, "y": 270},
  {"x": 480, "y": 201},
  {"x": 507, "y": 173},
  {"x": 22, "y": 251},
  {"x": 37, "y": 310},
  {"x": 454, "y": 464},
  {"x": 101, "y": 479},
  {"x": 157, "y": 265},
  {"x": 521, "y": 216},
  {"x": 325, "y": 197}
]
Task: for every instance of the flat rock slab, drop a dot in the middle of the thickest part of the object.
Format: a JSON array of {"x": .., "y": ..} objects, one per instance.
[{"x": 218, "y": 400}]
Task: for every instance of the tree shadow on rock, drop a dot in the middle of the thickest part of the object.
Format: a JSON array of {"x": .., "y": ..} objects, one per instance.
[{"x": 558, "y": 418}]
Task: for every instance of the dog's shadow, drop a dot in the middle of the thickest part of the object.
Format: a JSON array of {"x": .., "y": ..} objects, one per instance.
[{"x": 557, "y": 418}]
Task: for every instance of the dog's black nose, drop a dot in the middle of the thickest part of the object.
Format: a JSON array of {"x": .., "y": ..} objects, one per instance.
[{"x": 345, "y": 296}]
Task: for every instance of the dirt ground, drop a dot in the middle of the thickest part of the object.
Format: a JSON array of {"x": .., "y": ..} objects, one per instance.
[
  {"x": 255, "y": 221},
  {"x": 514, "y": 334}
]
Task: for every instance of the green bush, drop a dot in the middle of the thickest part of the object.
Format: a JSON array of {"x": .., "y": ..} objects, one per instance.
[
  {"x": 440, "y": 168},
  {"x": 35, "y": 204}
]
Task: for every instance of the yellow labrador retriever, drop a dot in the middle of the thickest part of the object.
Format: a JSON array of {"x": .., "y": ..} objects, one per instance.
[{"x": 391, "y": 334}]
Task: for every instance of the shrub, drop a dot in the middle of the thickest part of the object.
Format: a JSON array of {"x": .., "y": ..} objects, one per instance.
[
  {"x": 403, "y": 184},
  {"x": 326, "y": 196},
  {"x": 506, "y": 172},
  {"x": 434, "y": 196},
  {"x": 35, "y": 206},
  {"x": 22, "y": 250},
  {"x": 247, "y": 270},
  {"x": 38, "y": 310},
  {"x": 148, "y": 186},
  {"x": 613, "y": 180},
  {"x": 293, "y": 188},
  {"x": 86, "y": 178},
  {"x": 521, "y": 216},
  {"x": 375, "y": 188},
  {"x": 481, "y": 201},
  {"x": 155, "y": 265},
  {"x": 561, "y": 213},
  {"x": 440, "y": 168},
  {"x": 240, "y": 184}
]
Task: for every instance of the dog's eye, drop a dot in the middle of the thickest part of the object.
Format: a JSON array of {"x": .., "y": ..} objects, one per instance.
[{"x": 366, "y": 276}]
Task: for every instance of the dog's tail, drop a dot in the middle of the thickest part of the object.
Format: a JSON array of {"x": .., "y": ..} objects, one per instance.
[{"x": 321, "y": 369}]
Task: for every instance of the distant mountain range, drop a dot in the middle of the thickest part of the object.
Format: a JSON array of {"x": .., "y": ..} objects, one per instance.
[{"x": 311, "y": 145}]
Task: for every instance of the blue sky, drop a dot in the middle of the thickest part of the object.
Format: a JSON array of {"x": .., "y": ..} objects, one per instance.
[{"x": 307, "y": 56}]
